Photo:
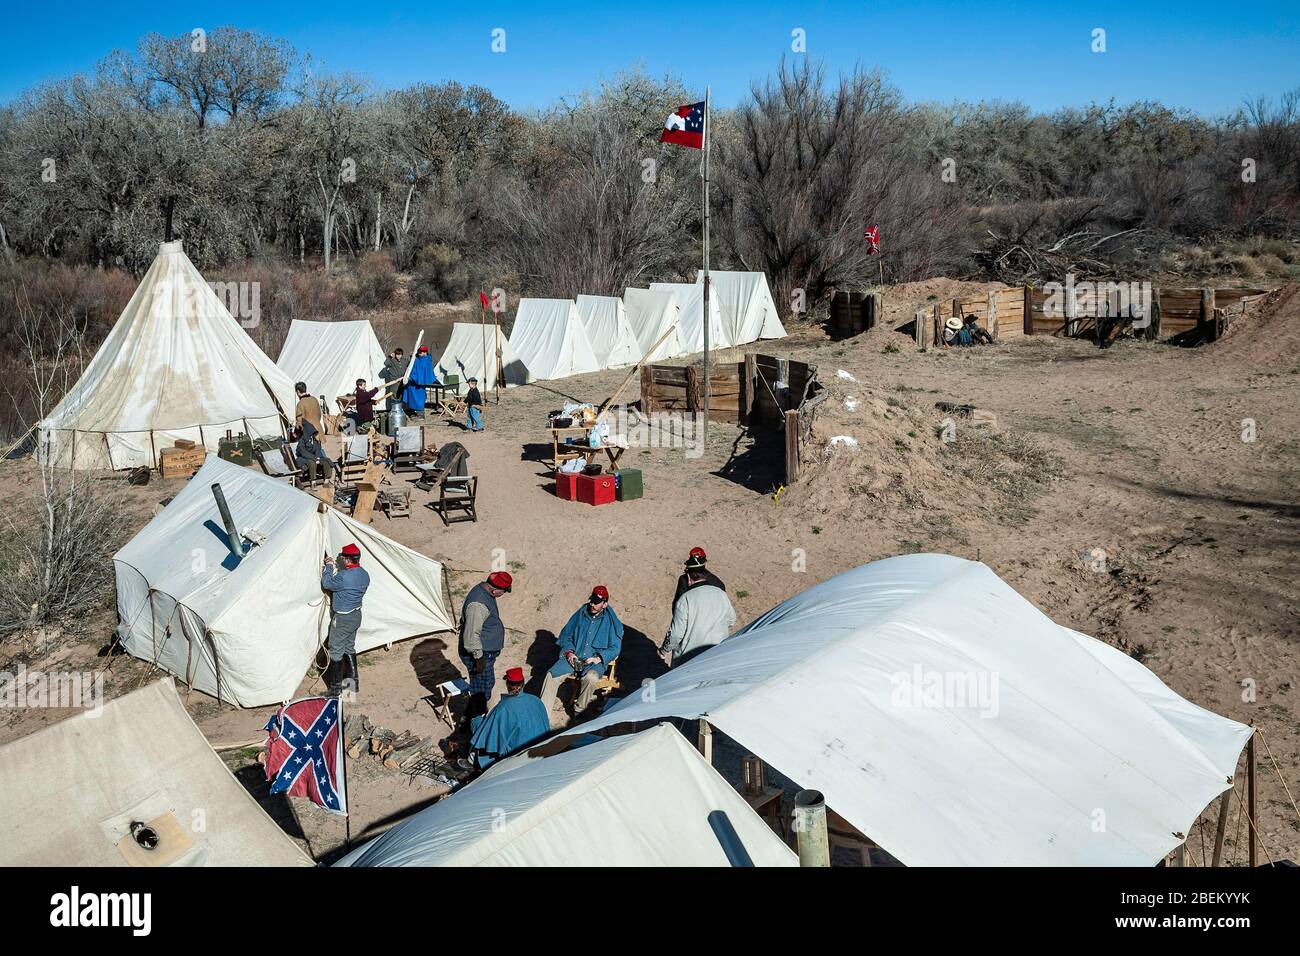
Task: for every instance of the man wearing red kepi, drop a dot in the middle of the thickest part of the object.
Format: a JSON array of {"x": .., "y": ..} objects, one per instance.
[
  {"x": 696, "y": 563},
  {"x": 589, "y": 643},
  {"x": 482, "y": 638},
  {"x": 516, "y": 721},
  {"x": 346, "y": 581}
]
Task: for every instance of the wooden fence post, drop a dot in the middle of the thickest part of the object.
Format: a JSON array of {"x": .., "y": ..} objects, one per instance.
[
  {"x": 921, "y": 323},
  {"x": 1029, "y": 309},
  {"x": 1205, "y": 321},
  {"x": 992, "y": 319},
  {"x": 647, "y": 390},
  {"x": 791, "y": 446},
  {"x": 939, "y": 342}
]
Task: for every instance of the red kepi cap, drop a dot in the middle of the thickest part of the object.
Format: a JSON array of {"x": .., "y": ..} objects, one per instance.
[
  {"x": 351, "y": 551},
  {"x": 697, "y": 558},
  {"x": 500, "y": 580},
  {"x": 600, "y": 593},
  {"x": 515, "y": 675}
]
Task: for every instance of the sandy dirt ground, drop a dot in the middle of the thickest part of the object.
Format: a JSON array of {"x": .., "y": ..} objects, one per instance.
[{"x": 1123, "y": 492}]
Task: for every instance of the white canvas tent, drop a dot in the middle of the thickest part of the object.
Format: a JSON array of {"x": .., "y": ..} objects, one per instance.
[
  {"x": 954, "y": 723},
  {"x": 551, "y": 340},
  {"x": 612, "y": 339},
  {"x": 329, "y": 357},
  {"x": 646, "y": 799},
  {"x": 651, "y": 313},
  {"x": 70, "y": 791},
  {"x": 464, "y": 353},
  {"x": 690, "y": 324},
  {"x": 176, "y": 365},
  {"x": 745, "y": 306},
  {"x": 245, "y": 630}
]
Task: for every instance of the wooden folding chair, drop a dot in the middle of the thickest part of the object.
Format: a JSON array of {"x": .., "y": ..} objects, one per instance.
[
  {"x": 457, "y": 494},
  {"x": 279, "y": 463}
]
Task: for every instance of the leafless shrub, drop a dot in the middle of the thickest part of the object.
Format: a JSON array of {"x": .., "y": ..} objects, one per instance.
[{"x": 57, "y": 536}]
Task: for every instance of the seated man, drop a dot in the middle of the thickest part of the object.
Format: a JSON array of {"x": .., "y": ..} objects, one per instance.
[
  {"x": 589, "y": 643},
  {"x": 310, "y": 456},
  {"x": 516, "y": 721},
  {"x": 978, "y": 336}
]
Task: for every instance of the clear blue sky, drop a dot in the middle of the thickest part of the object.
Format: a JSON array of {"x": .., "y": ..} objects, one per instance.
[{"x": 1207, "y": 56}]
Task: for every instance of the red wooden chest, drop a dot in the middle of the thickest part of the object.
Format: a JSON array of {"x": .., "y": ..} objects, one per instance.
[
  {"x": 596, "y": 489},
  {"x": 566, "y": 485}
]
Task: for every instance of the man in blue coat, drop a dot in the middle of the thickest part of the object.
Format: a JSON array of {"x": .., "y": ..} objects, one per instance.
[
  {"x": 516, "y": 721},
  {"x": 589, "y": 643},
  {"x": 421, "y": 377}
]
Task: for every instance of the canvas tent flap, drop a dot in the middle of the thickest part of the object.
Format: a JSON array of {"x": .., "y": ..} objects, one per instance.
[
  {"x": 646, "y": 799},
  {"x": 550, "y": 339},
  {"x": 951, "y": 721},
  {"x": 745, "y": 306},
  {"x": 176, "y": 365},
  {"x": 464, "y": 356},
  {"x": 612, "y": 339},
  {"x": 245, "y": 630},
  {"x": 653, "y": 316},
  {"x": 690, "y": 323},
  {"x": 69, "y": 792},
  {"x": 329, "y": 357}
]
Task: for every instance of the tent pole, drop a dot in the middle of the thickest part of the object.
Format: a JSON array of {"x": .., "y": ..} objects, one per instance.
[
  {"x": 496, "y": 357},
  {"x": 482, "y": 324},
  {"x": 1222, "y": 827},
  {"x": 707, "y": 137},
  {"x": 705, "y": 741},
  {"x": 1252, "y": 811}
]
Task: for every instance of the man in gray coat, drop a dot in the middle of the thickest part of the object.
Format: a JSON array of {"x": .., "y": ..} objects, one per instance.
[
  {"x": 482, "y": 638},
  {"x": 702, "y": 617}
]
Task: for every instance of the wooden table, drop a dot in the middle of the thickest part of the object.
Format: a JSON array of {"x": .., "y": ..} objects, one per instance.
[{"x": 585, "y": 451}]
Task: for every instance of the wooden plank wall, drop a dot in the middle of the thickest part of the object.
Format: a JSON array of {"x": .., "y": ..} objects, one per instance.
[
  {"x": 852, "y": 312},
  {"x": 680, "y": 388}
]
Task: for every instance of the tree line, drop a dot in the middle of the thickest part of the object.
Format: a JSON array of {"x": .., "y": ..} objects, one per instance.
[{"x": 235, "y": 142}]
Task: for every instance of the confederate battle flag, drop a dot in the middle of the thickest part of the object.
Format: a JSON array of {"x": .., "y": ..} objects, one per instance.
[
  {"x": 304, "y": 755},
  {"x": 872, "y": 234},
  {"x": 685, "y": 127}
]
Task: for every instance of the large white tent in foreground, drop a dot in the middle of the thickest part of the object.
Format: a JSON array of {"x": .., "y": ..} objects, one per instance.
[
  {"x": 652, "y": 314},
  {"x": 176, "y": 365},
  {"x": 646, "y": 799},
  {"x": 745, "y": 306},
  {"x": 329, "y": 357},
  {"x": 690, "y": 319},
  {"x": 551, "y": 340},
  {"x": 954, "y": 723},
  {"x": 612, "y": 339},
  {"x": 469, "y": 345},
  {"x": 245, "y": 630},
  {"x": 70, "y": 792}
]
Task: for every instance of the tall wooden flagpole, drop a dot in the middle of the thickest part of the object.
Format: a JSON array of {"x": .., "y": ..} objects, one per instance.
[{"x": 708, "y": 122}]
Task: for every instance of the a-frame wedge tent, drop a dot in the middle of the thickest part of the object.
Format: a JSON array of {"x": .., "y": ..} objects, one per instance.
[
  {"x": 690, "y": 321},
  {"x": 245, "y": 630},
  {"x": 463, "y": 356},
  {"x": 954, "y": 723},
  {"x": 645, "y": 799},
  {"x": 551, "y": 340},
  {"x": 329, "y": 357},
  {"x": 612, "y": 339},
  {"x": 651, "y": 313},
  {"x": 70, "y": 792},
  {"x": 176, "y": 365},
  {"x": 745, "y": 306}
]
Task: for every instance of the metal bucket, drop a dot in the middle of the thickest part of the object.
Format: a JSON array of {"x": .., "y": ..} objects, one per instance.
[{"x": 396, "y": 418}]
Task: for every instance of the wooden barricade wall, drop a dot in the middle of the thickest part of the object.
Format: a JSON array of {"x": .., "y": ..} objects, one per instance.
[{"x": 680, "y": 388}]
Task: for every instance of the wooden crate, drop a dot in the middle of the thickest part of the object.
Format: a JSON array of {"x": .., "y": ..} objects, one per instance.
[{"x": 180, "y": 462}]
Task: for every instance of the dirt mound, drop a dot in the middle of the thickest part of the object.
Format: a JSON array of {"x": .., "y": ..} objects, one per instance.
[
  {"x": 1268, "y": 334},
  {"x": 871, "y": 447}
]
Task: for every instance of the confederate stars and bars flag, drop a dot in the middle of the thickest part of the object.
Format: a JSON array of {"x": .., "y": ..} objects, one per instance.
[
  {"x": 685, "y": 127},
  {"x": 304, "y": 755}
]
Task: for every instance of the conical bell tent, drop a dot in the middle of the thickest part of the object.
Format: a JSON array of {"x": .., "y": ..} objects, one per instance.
[{"x": 176, "y": 365}]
